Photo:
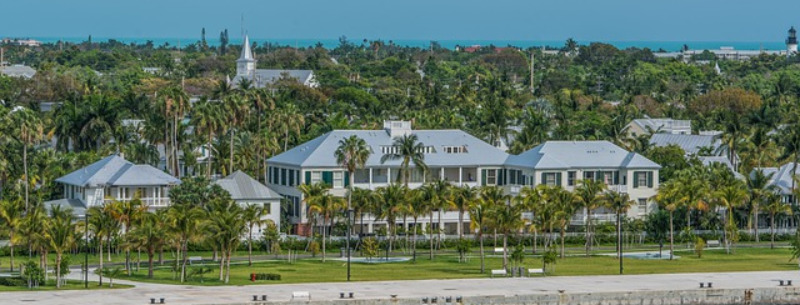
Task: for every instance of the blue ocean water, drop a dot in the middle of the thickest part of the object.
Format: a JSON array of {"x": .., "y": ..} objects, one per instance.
[{"x": 450, "y": 44}]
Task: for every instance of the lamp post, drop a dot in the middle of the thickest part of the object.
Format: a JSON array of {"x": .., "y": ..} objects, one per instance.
[
  {"x": 86, "y": 254},
  {"x": 347, "y": 243}
]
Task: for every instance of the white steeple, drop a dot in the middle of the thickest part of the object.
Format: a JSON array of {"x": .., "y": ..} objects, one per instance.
[{"x": 246, "y": 64}]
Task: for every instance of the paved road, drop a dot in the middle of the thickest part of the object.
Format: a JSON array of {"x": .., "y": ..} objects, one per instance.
[{"x": 404, "y": 289}]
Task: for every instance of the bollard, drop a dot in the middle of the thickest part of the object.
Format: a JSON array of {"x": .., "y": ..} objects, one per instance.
[
  {"x": 788, "y": 282},
  {"x": 152, "y": 300},
  {"x": 264, "y": 297},
  {"x": 459, "y": 299},
  {"x": 424, "y": 300},
  {"x": 702, "y": 285},
  {"x": 780, "y": 282},
  {"x": 255, "y": 298},
  {"x": 709, "y": 284},
  {"x": 351, "y": 295},
  {"x": 341, "y": 295},
  {"x": 161, "y": 301},
  {"x": 434, "y": 300},
  {"x": 448, "y": 300}
]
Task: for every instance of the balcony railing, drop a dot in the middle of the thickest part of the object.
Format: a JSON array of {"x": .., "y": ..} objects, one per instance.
[{"x": 153, "y": 202}]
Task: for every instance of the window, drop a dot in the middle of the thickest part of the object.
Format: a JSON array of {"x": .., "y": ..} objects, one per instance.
[
  {"x": 455, "y": 149},
  {"x": 588, "y": 175},
  {"x": 283, "y": 176},
  {"x": 549, "y": 178},
  {"x": 291, "y": 177},
  {"x": 338, "y": 180},
  {"x": 642, "y": 204},
  {"x": 642, "y": 179},
  {"x": 316, "y": 177},
  {"x": 491, "y": 177},
  {"x": 608, "y": 178},
  {"x": 267, "y": 208},
  {"x": 512, "y": 176},
  {"x": 570, "y": 178}
]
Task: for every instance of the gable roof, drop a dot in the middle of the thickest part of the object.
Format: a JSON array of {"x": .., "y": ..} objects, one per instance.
[
  {"x": 579, "y": 154},
  {"x": 263, "y": 77},
  {"x": 708, "y": 160},
  {"x": 666, "y": 124},
  {"x": 781, "y": 176},
  {"x": 690, "y": 144},
  {"x": 241, "y": 186},
  {"x": 116, "y": 171},
  {"x": 18, "y": 71},
  {"x": 319, "y": 151}
]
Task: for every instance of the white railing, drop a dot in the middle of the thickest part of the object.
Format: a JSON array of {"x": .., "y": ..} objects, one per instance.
[
  {"x": 597, "y": 218},
  {"x": 154, "y": 202}
]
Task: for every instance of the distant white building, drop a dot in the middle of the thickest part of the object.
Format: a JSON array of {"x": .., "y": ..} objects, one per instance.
[
  {"x": 664, "y": 125},
  {"x": 114, "y": 178},
  {"x": 22, "y": 71},
  {"x": 246, "y": 69}
]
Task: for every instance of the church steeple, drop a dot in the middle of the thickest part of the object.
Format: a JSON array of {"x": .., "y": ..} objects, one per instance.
[{"x": 246, "y": 64}]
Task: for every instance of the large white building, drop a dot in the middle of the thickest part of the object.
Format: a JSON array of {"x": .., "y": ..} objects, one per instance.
[
  {"x": 461, "y": 159},
  {"x": 246, "y": 69}
]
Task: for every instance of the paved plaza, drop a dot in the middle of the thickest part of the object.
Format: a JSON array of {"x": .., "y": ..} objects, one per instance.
[{"x": 175, "y": 294}]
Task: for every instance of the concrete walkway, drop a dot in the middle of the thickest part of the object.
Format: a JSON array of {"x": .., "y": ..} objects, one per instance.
[{"x": 403, "y": 289}]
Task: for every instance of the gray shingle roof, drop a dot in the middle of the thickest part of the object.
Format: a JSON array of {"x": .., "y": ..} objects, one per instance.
[
  {"x": 241, "y": 187},
  {"x": 77, "y": 206},
  {"x": 579, "y": 154},
  {"x": 690, "y": 144},
  {"x": 319, "y": 151},
  {"x": 116, "y": 171}
]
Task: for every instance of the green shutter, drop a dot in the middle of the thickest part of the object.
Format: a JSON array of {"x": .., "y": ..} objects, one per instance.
[
  {"x": 558, "y": 179},
  {"x": 543, "y": 181},
  {"x": 635, "y": 180},
  {"x": 308, "y": 177},
  {"x": 269, "y": 175},
  {"x": 327, "y": 177},
  {"x": 501, "y": 177},
  {"x": 616, "y": 178},
  {"x": 650, "y": 179},
  {"x": 483, "y": 177},
  {"x": 346, "y": 179}
]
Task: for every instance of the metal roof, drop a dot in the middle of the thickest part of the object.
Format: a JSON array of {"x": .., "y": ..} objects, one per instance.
[
  {"x": 579, "y": 154},
  {"x": 690, "y": 144},
  {"x": 77, "y": 206},
  {"x": 319, "y": 151},
  {"x": 18, "y": 71},
  {"x": 666, "y": 124},
  {"x": 268, "y": 76},
  {"x": 782, "y": 176},
  {"x": 708, "y": 160},
  {"x": 116, "y": 171},
  {"x": 241, "y": 186}
]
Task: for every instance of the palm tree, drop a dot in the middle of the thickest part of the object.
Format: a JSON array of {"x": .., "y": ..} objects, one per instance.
[
  {"x": 11, "y": 213},
  {"x": 226, "y": 225},
  {"x": 773, "y": 205},
  {"x": 184, "y": 222},
  {"x": 150, "y": 235},
  {"x": 207, "y": 118},
  {"x": 670, "y": 196},
  {"x": 417, "y": 206},
  {"x": 237, "y": 110},
  {"x": 408, "y": 150},
  {"x": 507, "y": 218},
  {"x": 61, "y": 236},
  {"x": 759, "y": 187},
  {"x": 589, "y": 195},
  {"x": 391, "y": 199},
  {"x": 619, "y": 203},
  {"x": 352, "y": 154},
  {"x": 326, "y": 206},
  {"x": 128, "y": 213},
  {"x": 310, "y": 193},
  {"x": 28, "y": 130},
  {"x": 437, "y": 193},
  {"x": 480, "y": 217},
  {"x": 253, "y": 216},
  {"x": 564, "y": 204},
  {"x": 364, "y": 201},
  {"x": 290, "y": 120},
  {"x": 462, "y": 198},
  {"x": 103, "y": 226},
  {"x": 730, "y": 197},
  {"x": 532, "y": 199}
]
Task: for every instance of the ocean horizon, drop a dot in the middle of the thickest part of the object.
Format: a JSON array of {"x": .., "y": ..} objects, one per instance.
[{"x": 330, "y": 43}]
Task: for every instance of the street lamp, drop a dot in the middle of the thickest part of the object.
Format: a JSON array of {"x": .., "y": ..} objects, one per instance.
[{"x": 347, "y": 243}]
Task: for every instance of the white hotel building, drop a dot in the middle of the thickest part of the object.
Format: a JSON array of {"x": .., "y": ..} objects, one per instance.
[{"x": 462, "y": 159}]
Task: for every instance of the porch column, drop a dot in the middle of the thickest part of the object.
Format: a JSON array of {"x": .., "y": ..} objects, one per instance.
[
  {"x": 441, "y": 173},
  {"x": 460, "y": 176},
  {"x": 370, "y": 178},
  {"x": 389, "y": 175}
]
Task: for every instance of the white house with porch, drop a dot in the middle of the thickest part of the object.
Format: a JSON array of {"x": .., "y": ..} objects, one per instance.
[
  {"x": 461, "y": 159},
  {"x": 114, "y": 178}
]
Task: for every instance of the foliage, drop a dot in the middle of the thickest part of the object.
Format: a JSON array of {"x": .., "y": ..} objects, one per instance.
[
  {"x": 370, "y": 248},
  {"x": 699, "y": 246}
]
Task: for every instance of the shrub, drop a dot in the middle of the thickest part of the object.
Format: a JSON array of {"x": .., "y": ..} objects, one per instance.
[
  {"x": 314, "y": 248},
  {"x": 8, "y": 281},
  {"x": 267, "y": 277},
  {"x": 699, "y": 245}
]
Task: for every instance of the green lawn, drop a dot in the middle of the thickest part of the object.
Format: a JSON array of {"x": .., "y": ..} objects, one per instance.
[
  {"x": 446, "y": 266},
  {"x": 71, "y": 285}
]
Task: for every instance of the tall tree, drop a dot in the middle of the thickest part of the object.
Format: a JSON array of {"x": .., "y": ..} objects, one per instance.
[
  {"x": 408, "y": 150},
  {"x": 29, "y": 130},
  {"x": 590, "y": 196},
  {"x": 62, "y": 235},
  {"x": 11, "y": 214}
]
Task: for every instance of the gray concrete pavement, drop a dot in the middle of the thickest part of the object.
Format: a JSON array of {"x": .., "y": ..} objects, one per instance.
[{"x": 175, "y": 294}]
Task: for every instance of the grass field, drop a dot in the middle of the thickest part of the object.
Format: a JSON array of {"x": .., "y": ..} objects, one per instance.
[
  {"x": 71, "y": 285},
  {"x": 446, "y": 266}
]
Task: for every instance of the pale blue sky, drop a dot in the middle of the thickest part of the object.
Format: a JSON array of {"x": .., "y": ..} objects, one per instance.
[{"x": 596, "y": 20}]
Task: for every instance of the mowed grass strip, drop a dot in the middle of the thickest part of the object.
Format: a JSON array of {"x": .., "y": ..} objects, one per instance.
[{"x": 446, "y": 266}]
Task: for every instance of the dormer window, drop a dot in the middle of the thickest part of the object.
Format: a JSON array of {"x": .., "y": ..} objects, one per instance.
[
  {"x": 455, "y": 149},
  {"x": 391, "y": 149}
]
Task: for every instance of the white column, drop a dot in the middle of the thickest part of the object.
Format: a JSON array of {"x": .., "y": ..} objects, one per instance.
[
  {"x": 388, "y": 176},
  {"x": 441, "y": 174},
  {"x": 370, "y": 178}
]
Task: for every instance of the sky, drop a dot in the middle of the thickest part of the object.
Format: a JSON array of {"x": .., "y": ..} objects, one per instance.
[{"x": 583, "y": 20}]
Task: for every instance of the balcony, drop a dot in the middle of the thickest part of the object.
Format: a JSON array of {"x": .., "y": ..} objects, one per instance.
[
  {"x": 152, "y": 202},
  {"x": 596, "y": 218}
]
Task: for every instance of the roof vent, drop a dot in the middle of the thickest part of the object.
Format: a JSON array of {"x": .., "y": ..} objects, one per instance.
[{"x": 397, "y": 128}]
